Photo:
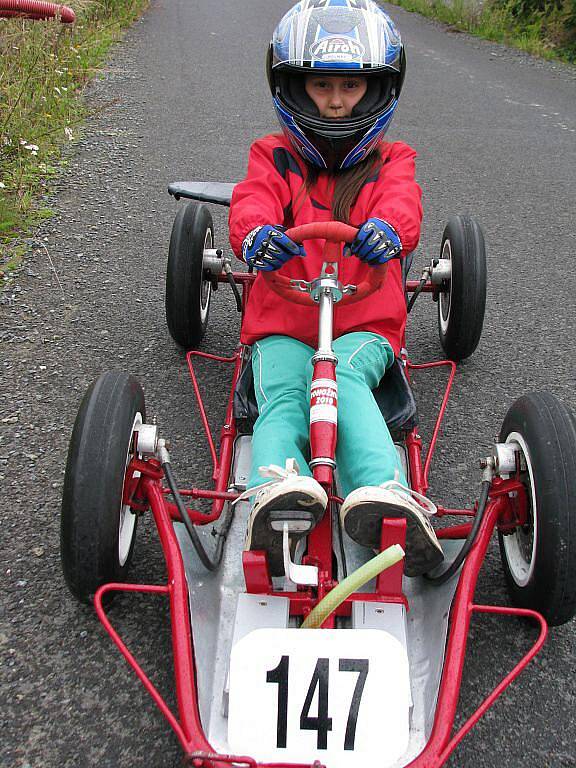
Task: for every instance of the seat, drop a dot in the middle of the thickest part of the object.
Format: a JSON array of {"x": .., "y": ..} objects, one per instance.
[
  {"x": 218, "y": 192},
  {"x": 393, "y": 395}
]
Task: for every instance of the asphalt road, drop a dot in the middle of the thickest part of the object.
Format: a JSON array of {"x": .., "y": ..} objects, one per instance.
[{"x": 182, "y": 98}]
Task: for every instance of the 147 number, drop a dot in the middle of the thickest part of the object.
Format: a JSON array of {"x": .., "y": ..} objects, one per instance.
[{"x": 320, "y": 723}]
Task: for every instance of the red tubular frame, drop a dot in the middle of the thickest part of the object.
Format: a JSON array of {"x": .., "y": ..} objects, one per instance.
[
  {"x": 413, "y": 441},
  {"x": 227, "y": 435},
  {"x": 187, "y": 725}
]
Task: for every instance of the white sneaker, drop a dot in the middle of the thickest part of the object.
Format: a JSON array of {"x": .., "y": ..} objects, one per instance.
[
  {"x": 364, "y": 509},
  {"x": 287, "y": 498}
]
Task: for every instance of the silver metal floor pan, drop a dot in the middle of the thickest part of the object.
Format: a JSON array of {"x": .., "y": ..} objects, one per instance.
[{"x": 213, "y": 598}]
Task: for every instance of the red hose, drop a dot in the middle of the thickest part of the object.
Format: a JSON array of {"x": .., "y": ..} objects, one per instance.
[{"x": 36, "y": 9}]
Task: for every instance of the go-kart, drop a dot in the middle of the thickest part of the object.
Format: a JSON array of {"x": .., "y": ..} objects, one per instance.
[{"x": 342, "y": 660}]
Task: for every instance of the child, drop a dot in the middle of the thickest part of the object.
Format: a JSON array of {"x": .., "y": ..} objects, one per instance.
[{"x": 335, "y": 72}]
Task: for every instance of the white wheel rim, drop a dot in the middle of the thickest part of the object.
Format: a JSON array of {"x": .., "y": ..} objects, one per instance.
[
  {"x": 520, "y": 546},
  {"x": 444, "y": 299},
  {"x": 127, "y": 522},
  {"x": 206, "y": 285}
]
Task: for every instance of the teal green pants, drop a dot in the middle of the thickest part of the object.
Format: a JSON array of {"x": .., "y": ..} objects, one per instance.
[{"x": 365, "y": 453}]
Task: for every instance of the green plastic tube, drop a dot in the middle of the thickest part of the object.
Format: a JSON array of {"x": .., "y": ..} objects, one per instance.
[{"x": 352, "y": 583}]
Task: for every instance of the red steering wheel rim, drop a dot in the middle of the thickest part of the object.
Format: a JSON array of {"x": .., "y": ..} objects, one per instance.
[{"x": 334, "y": 233}]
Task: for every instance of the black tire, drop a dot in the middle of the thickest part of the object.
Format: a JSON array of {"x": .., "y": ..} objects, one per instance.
[
  {"x": 539, "y": 558},
  {"x": 462, "y": 298},
  {"x": 188, "y": 292},
  {"x": 97, "y": 532}
]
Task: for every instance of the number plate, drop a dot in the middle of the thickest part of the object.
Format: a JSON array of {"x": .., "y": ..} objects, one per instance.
[{"x": 338, "y": 696}]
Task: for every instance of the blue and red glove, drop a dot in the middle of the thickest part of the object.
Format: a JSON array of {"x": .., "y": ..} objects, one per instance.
[
  {"x": 267, "y": 248},
  {"x": 376, "y": 242}
]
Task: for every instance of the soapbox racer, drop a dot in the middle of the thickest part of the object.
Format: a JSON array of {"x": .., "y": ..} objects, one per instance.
[{"x": 342, "y": 661}]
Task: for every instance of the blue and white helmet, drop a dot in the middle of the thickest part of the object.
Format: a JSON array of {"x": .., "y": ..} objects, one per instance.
[{"x": 335, "y": 37}]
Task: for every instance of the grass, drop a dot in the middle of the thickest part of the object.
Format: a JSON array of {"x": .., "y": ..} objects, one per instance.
[
  {"x": 497, "y": 20},
  {"x": 44, "y": 66}
]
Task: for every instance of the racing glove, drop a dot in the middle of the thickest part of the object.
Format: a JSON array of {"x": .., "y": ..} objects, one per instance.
[
  {"x": 376, "y": 242},
  {"x": 267, "y": 248}
]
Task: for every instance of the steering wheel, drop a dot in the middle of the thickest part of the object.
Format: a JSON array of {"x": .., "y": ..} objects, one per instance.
[{"x": 334, "y": 233}]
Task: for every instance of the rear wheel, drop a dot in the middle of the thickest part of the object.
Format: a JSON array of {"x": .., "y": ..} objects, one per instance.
[
  {"x": 539, "y": 558},
  {"x": 97, "y": 530},
  {"x": 188, "y": 286},
  {"x": 462, "y": 297}
]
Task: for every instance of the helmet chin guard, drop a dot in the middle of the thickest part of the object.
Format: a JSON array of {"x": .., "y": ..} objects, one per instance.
[{"x": 325, "y": 37}]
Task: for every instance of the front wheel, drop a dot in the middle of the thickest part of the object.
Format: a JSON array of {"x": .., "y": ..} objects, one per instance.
[
  {"x": 462, "y": 296},
  {"x": 539, "y": 557},
  {"x": 98, "y": 531}
]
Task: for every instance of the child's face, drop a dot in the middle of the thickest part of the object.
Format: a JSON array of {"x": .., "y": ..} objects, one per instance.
[{"x": 335, "y": 96}]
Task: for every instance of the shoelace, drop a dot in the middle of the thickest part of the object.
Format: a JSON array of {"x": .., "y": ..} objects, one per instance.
[
  {"x": 278, "y": 475},
  {"x": 427, "y": 506}
]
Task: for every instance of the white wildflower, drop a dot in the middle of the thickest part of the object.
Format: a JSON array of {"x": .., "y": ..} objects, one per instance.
[
  {"x": 32, "y": 147},
  {"x": 69, "y": 134},
  {"x": 2, "y": 185}
]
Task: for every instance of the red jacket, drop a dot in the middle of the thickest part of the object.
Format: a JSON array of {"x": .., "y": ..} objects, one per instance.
[{"x": 275, "y": 176}]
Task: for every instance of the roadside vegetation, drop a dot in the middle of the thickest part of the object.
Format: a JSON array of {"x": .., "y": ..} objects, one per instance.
[
  {"x": 545, "y": 28},
  {"x": 44, "y": 66}
]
